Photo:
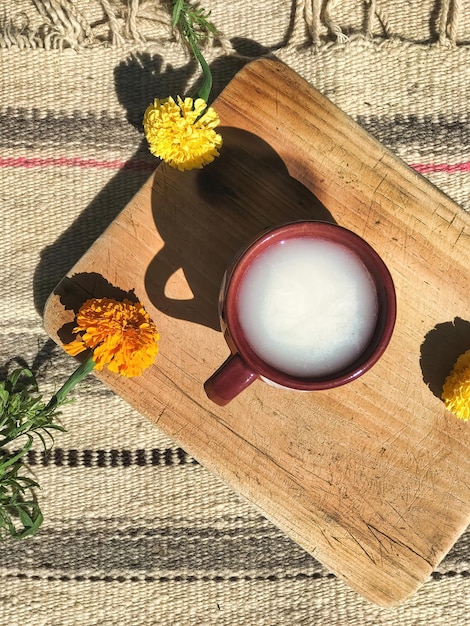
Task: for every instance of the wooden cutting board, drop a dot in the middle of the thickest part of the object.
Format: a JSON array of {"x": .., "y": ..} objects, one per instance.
[{"x": 370, "y": 478}]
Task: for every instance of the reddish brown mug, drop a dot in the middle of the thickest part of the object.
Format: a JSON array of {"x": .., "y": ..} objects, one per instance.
[{"x": 248, "y": 361}]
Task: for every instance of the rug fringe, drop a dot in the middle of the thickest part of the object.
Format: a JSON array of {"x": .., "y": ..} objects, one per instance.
[{"x": 60, "y": 24}]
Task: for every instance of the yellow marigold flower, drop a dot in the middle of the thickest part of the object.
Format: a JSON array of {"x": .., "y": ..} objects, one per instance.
[
  {"x": 121, "y": 335},
  {"x": 182, "y": 133},
  {"x": 456, "y": 390}
]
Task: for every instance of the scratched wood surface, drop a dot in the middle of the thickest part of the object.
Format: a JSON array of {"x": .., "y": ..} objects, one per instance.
[{"x": 370, "y": 478}]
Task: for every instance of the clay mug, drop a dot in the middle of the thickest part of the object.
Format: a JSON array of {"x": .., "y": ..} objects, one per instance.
[{"x": 306, "y": 306}]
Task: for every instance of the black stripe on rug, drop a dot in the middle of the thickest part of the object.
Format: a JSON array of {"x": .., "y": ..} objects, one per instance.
[
  {"x": 208, "y": 549},
  {"x": 436, "y": 576},
  {"x": 170, "y": 579},
  {"x": 21, "y": 128},
  {"x": 153, "y": 457}
]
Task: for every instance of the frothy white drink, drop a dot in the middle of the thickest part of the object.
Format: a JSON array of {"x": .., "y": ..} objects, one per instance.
[{"x": 308, "y": 307}]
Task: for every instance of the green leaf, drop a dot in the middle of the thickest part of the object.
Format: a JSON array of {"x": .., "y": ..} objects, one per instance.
[
  {"x": 23, "y": 417},
  {"x": 177, "y": 7}
]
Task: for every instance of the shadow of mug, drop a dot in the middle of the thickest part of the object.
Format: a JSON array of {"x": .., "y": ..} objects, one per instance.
[{"x": 205, "y": 216}]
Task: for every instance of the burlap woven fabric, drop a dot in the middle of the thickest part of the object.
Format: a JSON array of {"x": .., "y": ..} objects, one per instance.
[{"x": 135, "y": 531}]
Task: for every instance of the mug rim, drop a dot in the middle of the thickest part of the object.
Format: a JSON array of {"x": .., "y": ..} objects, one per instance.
[{"x": 326, "y": 231}]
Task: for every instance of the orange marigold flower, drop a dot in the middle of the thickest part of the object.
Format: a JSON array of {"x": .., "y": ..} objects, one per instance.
[
  {"x": 121, "y": 335},
  {"x": 456, "y": 390}
]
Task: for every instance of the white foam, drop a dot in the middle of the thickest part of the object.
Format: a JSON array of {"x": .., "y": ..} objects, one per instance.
[{"x": 308, "y": 307}]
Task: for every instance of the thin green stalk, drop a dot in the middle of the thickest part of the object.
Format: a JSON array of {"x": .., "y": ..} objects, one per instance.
[
  {"x": 195, "y": 27},
  {"x": 80, "y": 373},
  {"x": 206, "y": 87}
]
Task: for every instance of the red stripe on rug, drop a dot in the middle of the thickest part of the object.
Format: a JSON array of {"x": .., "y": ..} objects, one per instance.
[
  {"x": 35, "y": 162},
  {"x": 448, "y": 168},
  {"x": 32, "y": 162}
]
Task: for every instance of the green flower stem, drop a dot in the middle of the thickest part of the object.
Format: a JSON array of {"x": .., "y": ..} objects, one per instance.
[
  {"x": 206, "y": 87},
  {"x": 80, "y": 373},
  {"x": 194, "y": 26}
]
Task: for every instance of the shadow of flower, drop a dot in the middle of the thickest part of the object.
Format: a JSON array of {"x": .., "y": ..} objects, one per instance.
[
  {"x": 440, "y": 349},
  {"x": 138, "y": 80}
]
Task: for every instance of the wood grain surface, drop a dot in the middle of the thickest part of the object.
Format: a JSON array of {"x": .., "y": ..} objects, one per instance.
[{"x": 370, "y": 478}]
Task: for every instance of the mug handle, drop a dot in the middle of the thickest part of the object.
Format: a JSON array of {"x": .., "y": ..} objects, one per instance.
[{"x": 229, "y": 380}]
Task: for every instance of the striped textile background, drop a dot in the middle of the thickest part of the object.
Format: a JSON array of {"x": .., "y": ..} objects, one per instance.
[{"x": 136, "y": 531}]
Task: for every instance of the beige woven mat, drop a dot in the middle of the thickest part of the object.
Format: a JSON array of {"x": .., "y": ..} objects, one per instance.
[{"x": 135, "y": 531}]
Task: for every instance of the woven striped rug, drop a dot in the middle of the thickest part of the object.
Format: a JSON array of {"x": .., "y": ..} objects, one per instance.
[{"x": 135, "y": 530}]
